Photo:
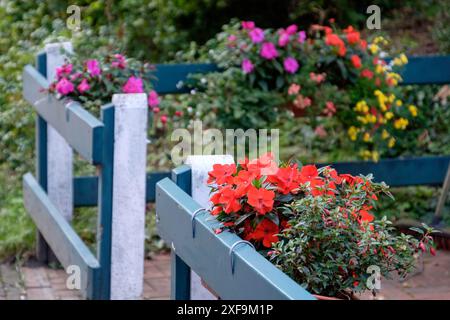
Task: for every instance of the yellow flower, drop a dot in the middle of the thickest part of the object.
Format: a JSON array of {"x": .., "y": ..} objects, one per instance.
[
  {"x": 370, "y": 118},
  {"x": 403, "y": 58},
  {"x": 353, "y": 133},
  {"x": 375, "y": 156},
  {"x": 385, "y": 134},
  {"x": 391, "y": 98},
  {"x": 379, "y": 68},
  {"x": 388, "y": 115},
  {"x": 398, "y": 103},
  {"x": 391, "y": 142},
  {"x": 363, "y": 120},
  {"x": 413, "y": 110},
  {"x": 373, "y": 48},
  {"x": 361, "y": 106},
  {"x": 397, "y": 61},
  {"x": 367, "y": 137},
  {"x": 365, "y": 154},
  {"x": 401, "y": 123}
]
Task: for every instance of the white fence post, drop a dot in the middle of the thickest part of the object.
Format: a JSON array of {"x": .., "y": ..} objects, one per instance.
[
  {"x": 129, "y": 189},
  {"x": 200, "y": 166},
  {"x": 59, "y": 153}
]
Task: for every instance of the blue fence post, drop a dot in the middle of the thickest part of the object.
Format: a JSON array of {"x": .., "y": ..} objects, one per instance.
[
  {"x": 102, "y": 284},
  {"x": 42, "y": 248},
  {"x": 180, "y": 271}
]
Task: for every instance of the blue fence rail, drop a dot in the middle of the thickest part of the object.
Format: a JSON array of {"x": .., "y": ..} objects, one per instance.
[{"x": 241, "y": 273}]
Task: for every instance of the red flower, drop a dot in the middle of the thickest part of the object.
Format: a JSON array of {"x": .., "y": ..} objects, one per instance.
[
  {"x": 264, "y": 165},
  {"x": 228, "y": 199},
  {"x": 366, "y": 73},
  {"x": 287, "y": 179},
  {"x": 309, "y": 172},
  {"x": 332, "y": 39},
  {"x": 243, "y": 181},
  {"x": 222, "y": 173},
  {"x": 356, "y": 61},
  {"x": 266, "y": 232},
  {"x": 260, "y": 199},
  {"x": 353, "y": 36}
]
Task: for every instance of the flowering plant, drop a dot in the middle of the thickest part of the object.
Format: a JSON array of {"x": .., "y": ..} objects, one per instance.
[
  {"x": 93, "y": 82},
  {"x": 321, "y": 73},
  {"x": 315, "y": 224}
]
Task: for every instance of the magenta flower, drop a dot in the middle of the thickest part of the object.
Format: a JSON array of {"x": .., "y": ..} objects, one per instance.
[
  {"x": 268, "y": 51},
  {"x": 64, "y": 86},
  {"x": 283, "y": 39},
  {"x": 75, "y": 76},
  {"x": 65, "y": 69},
  {"x": 291, "y": 29},
  {"x": 133, "y": 85},
  {"x": 83, "y": 86},
  {"x": 153, "y": 99},
  {"x": 119, "y": 61},
  {"x": 93, "y": 67},
  {"x": 247, "y": 66},
  {"x": 257, "y": 35},
  {"x": 163, "y": 119},
  {"x": 302, "y": 36},
  {"x": 249, "y": 25},
  {"x": 290, "y": 65}
]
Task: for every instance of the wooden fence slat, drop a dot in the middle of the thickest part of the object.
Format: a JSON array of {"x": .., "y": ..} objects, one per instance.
[{"x": 58, "y": 233}]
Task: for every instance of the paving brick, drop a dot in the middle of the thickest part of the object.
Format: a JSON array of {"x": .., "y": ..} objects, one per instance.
[
  {"x": 44, "y": 293},
  {"x": 35, "y": 277}
]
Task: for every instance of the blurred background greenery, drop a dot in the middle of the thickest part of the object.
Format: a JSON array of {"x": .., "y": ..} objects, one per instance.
[{"x": 155, "y": 30}]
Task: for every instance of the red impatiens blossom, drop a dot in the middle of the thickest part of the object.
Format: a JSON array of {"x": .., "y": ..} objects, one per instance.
[
  {"x": 356, "y": 61},
  {"x": 266, "y": 231},
  {"x": 222, "y": 173},
  {"x": 260, "y": 199},
  {"x": 332, "y": 39},
  {"x": 226, "y": 197},
  {"x": 286, "y": 179},
  {"x": 309, "y": 172},
  {"x": 353, "y": 36},
  {"x": 243, "y": 181},
  {"x": 264, "y": 165},
  {"x": 366, "y": 73}
]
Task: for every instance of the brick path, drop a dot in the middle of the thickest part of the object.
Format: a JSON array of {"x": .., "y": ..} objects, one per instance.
[{"x": 35, "y": 281}]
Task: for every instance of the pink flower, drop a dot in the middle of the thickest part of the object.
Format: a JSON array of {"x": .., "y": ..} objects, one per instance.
[
  {"x": 248, "y": 25},
  {"x": 153, "y": 99},
  {"x": 290, "y": 65},
  {"x": 83, "y": 86},
  {"x": 164, "y": 119},
  {"x": 320, "y": 131},
  {"x": 64, "y": 86},
  {"x": 317, "y": 77},
  {"x": 293, "y": 89},
  {"x": 65, "y": 69},
  {"x": 75, "y": 76},
  {"x": 178, "y": 113},
  {"x": 231, "y": 40},
  {"x": 291, "y": 29},
  {"x": 156, "y": 110},
  {"x": 119, "y": 61},
  {"x": 133, "y": 85},
  {"x": 302, "y": 36},
  {"x": 268, "y": 51},
  {"x": 247, "y": 66},
  {"x": 257, "y": 35},
  {"x": 93, "y": 67},
  {"x": 330, "y": 109},
  {"x": 283, "y": 39}
]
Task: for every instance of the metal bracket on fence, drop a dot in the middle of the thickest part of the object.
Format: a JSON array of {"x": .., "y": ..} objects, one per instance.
[
  {"x": 194, "y": 214},
  {"x": 234, "y": 246}
]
